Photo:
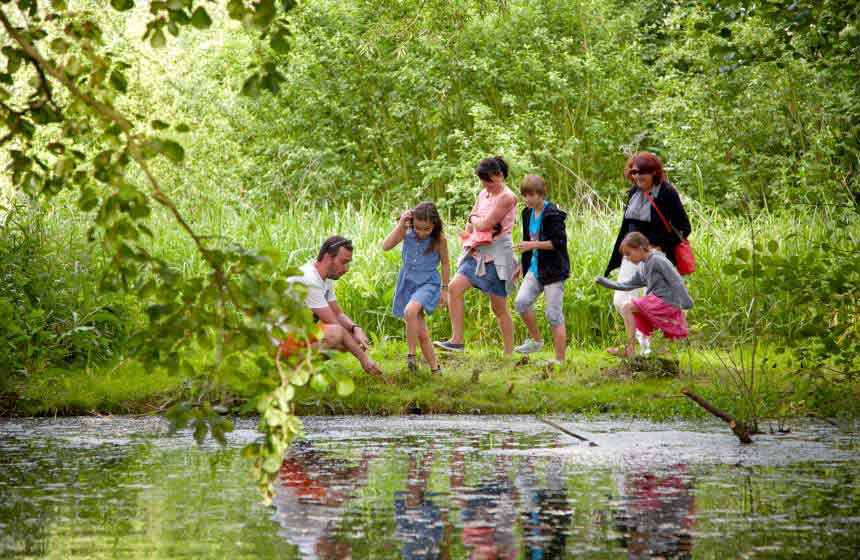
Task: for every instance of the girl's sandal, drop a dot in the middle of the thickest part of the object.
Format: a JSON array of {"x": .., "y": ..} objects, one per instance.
[
  {"x": 411, "y": 363},
  {"x": 437, "y": 371}
]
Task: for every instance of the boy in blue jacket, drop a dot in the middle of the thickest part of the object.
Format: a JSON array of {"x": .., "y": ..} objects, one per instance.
[{"x": 545, "y": 265}]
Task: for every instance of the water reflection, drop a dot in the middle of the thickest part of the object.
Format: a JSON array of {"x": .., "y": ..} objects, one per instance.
[
  {"x": 545, "y": 512},
  {"x": 422, "y": 525},
  {"x": 487, "y": 509},
  {"x": 312, "y": 493},
  {"x": 654, "y": 513},
  {"x": 431, "y": 488}
]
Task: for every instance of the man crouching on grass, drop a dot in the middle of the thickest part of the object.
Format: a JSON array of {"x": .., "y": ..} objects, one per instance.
[{"x": 336, "y": 330}]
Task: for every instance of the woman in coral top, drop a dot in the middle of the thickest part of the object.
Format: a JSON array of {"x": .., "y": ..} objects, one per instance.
[{"x": 488, "y": 267}]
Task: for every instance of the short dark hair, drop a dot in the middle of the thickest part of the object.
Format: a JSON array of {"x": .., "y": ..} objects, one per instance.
[
  {"x": 490, "y": 166},
  {"x": 532, "y": 184},
  {"x": 332, "y": 245}
]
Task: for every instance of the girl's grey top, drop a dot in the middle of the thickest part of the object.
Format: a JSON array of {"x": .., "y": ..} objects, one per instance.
[{"x": 660, "y": 278}]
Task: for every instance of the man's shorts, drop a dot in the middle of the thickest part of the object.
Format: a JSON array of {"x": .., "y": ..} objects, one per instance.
[{"x": 292, "y": 345}]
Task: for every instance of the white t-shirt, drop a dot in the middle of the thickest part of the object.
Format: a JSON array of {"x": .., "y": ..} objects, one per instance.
[{"x": 320, "y": 291}]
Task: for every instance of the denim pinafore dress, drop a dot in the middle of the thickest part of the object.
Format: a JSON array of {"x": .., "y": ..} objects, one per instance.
[{"x": 419, "y": 277}]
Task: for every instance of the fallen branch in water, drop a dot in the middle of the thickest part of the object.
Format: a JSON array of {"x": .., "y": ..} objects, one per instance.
[
  {"x": 739, "y": 428},
  {"x": 566, "y": 431}
]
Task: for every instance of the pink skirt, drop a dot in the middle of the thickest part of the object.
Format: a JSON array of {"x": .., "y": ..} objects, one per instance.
[{"x": 654, "y": 313}]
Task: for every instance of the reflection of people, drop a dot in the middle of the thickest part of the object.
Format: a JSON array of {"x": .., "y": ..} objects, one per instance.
[
  {"x": 649, "y": 192},
  {"x": 338, "y": 330},
  {"x": 544, "y": 512},
  {"x": 312, "y": 491},
  {"x": 655, "y": 513},
  {"x": 487, "y": 511},
  {"x": 421, "y": 523}
]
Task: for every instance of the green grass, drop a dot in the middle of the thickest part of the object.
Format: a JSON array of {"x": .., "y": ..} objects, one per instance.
[{"x": 481, "y": 381}]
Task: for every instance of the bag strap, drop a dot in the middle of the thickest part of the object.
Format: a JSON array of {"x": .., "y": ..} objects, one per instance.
[{"x": 669, "y": 228}]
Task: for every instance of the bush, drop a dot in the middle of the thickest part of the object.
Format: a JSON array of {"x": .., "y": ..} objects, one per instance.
[{"x": 50, "y": 310}]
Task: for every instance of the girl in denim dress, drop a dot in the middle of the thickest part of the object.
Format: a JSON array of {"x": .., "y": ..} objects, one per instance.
[{"x": 420, "y": 287}]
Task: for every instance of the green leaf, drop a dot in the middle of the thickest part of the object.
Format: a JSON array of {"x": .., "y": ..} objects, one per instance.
[
  {"x": 251, "y": 87},
  {"x": 319, "y": 382},
  {"x": 279, "y": 42},
  {"x": 13, "y": 59},
  {"x": 743, "y": 254},
  {"x": 200, "y": 431},
  {"x": 46, "y": 115},
  {"x": 59, "y": 46},
  {"x": 118, "y": 81},
  {"x": 773, "y": 246},
  {"x": 159, "y": 125},
  {"x": 345, "y": 386},
  {"x": 158, "y": 40},
  {"x": 182, "y": 127},
  {"x": 272, "y": 464},
  {"x": 294, "y": 424},
  {"x": 200, "y": 19},
  {"x": 122, "y": 5},
  {"x": 173, "y": 151},
  {"x": 236, "y": 9}
]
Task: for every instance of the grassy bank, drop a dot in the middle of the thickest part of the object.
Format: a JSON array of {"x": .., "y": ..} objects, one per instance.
[
  {"x": 112, "y": 381},
  {"x": 478, "y": 382}
]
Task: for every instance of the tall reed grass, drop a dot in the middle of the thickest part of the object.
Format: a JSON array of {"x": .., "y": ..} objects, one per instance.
[{"x": 366, "y": 292}]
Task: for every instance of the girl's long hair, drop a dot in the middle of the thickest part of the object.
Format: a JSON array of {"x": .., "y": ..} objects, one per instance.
[{"x": 426, "y": 212}]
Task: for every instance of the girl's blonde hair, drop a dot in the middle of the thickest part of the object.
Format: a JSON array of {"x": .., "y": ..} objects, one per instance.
[{"x": 634, "y": 240}]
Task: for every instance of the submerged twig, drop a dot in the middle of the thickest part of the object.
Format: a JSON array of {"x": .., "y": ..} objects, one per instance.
[{"x": 566, "y": 431}]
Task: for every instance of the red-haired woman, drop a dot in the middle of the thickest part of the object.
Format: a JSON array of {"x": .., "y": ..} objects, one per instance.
[{"x": 649, "y": 187}]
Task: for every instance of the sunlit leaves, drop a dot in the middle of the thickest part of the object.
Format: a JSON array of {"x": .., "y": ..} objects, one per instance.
[{"x": 69, "y": 133}]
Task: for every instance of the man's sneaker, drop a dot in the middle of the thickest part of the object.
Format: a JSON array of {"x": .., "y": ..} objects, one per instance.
[
  {"x": 449, "y": 346},
  {"x": 528, "y": 346}
]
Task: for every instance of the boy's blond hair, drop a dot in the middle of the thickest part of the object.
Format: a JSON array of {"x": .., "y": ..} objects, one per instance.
[{"x": 533, "y": 184}]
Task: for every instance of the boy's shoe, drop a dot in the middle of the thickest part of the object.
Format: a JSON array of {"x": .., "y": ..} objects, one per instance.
[
  {"x": 411, "y": 363},
  {"x": 449, "y": 346},
  {"x": 551, "y": 362},
  {"x": 528, "y": 346}
]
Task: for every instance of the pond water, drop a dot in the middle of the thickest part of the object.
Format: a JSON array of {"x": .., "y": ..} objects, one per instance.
[{"x": 430, "y": 487}]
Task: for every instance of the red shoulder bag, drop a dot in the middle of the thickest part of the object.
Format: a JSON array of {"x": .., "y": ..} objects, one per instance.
[{"x": 685, "y": 259}]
